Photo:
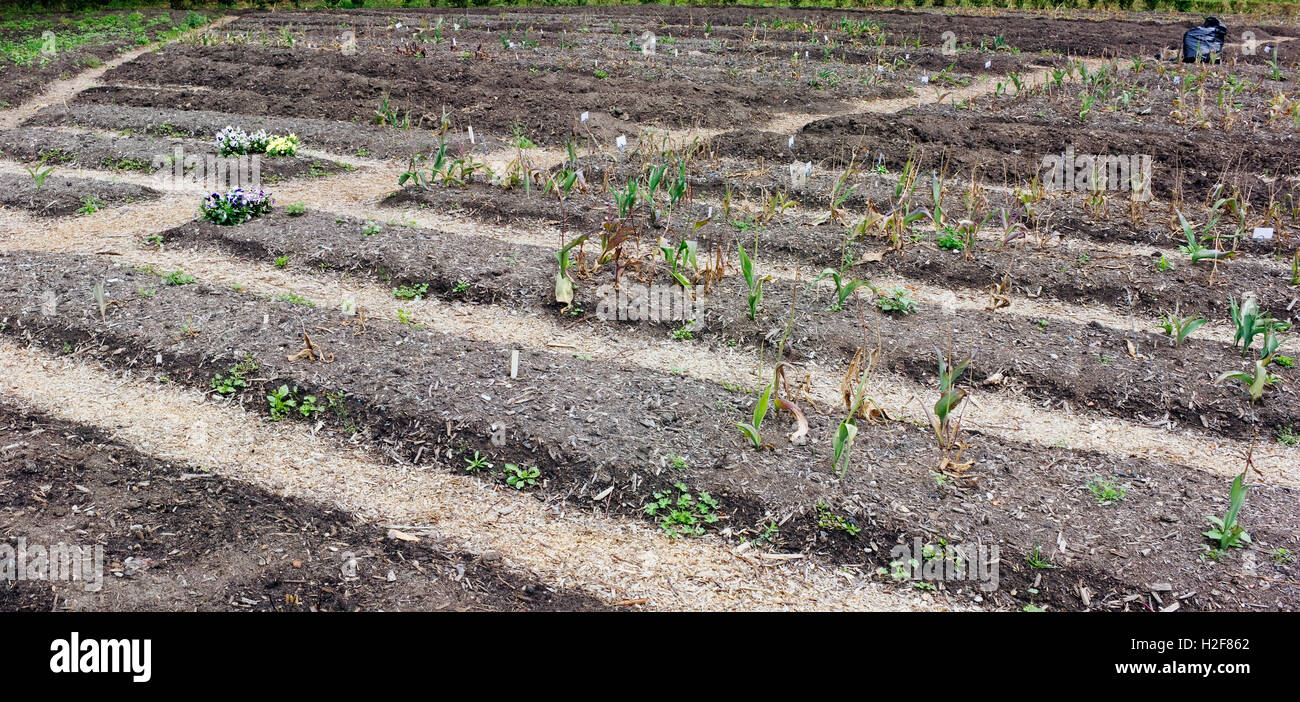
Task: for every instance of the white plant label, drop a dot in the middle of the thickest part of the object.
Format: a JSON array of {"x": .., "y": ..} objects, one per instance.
[
  {"x": 790, "y": 144},
  {"x": 1263, "y": 234},
  {"x": 988, "y": 64},
  {"x": 621, "y": 142},
  {"x": 925, "y": 80},
  {"x": 648, "y": 41},
  {"x": 585, "y": 116},
  {"x": 471, "y": 135}
]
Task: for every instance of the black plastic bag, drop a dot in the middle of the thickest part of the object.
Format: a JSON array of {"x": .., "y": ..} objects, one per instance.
[{"x": 1204, "y": 43}]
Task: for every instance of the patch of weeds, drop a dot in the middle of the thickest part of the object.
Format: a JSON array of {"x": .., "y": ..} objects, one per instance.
[
  {"x": 896, "y": 301},
  {"x": 683, "y": 333},
  {"x": 294, "y": 299},
  {"x": 1107, "y": 491},
  {"x": 90, "y": 205},
  {"x": 677, "y": 462},
  {"x": 461, "y": 286},
  {"x": 236, "y": 378},
  {"x": 770, "y": 533},
  {"x": 950, "y": 241},
  {"x": 829, "y": 521},
  {"x": 681, "y": 513},
  {"x": 411, "y": 292},
  {"x": 285, "y": 403},
  {"x": 281, "y": 261},
  {"x": 1288, "y": 436},
  {"x": 178, "y": 278},
  {"x": 371, "y": 229},
  {"x": 295, "y": 209}
]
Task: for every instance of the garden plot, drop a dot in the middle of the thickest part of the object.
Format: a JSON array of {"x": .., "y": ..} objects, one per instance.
[
  {"x": 172, "y": 533},
  {"x": 49, "y": 195},
  {"x": 35, "y": 52},
  {"x": 1119, "y": 370},
  {"x": 141, "y": 154},
  {"x": 561, "y": 408},
  {"x": 897, "y": 328}
]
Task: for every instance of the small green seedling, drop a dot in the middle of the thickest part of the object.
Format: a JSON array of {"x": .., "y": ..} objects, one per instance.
[
  {"x": 843, "y": 287},
  {"x": 751, "y": 430},
  {"x": 521, "y": 478},
  {"x": 1227, "y": 532},
  {"x": 477, "y": 463},
  {"x": 1180, "y": 327},
  {"x": 752, "y": 282},
  {"x": 1037, "y": 560},
  {"x": 282, "y": 403}
]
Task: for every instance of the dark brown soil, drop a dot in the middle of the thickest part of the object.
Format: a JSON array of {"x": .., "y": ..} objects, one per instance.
[
  {"x": 566, "y": 414},
  {"x": 175, "y": 538}
]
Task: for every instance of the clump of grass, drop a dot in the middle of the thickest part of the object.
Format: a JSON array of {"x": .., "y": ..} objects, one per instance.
[{"x": 178, "y": 278}]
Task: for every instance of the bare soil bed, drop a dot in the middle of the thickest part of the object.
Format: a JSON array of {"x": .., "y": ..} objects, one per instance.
[{"x": 60, "y": 196}]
